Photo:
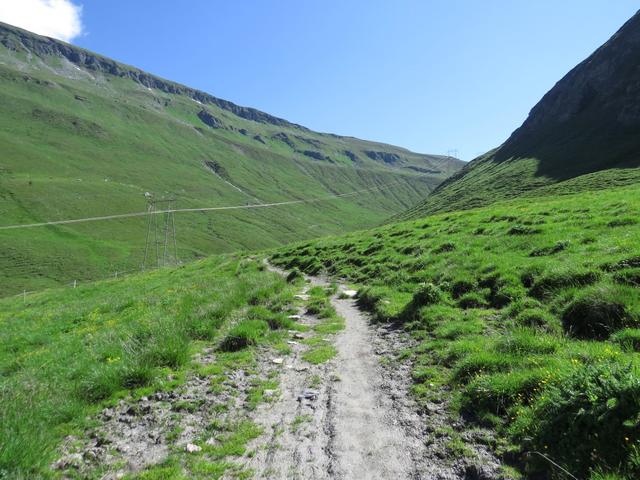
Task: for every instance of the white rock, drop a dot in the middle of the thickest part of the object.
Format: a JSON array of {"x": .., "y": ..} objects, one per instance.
[
  {"x": 278, "y": 361},
  {"x": 192, "y": 448},
  {"x": 294, "y": 317},
  {"x": 350, "y": 293},
  {"x": 211, "y": 441}
]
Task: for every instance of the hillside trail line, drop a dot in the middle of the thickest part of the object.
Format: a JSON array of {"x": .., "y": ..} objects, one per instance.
[{"x": 352, "y": 417}]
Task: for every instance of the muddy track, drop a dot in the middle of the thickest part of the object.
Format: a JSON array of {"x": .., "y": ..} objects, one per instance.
[{"x": 353, "y": 418}]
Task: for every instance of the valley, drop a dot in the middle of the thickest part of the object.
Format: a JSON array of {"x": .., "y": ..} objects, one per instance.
[
  {"x": 342, "y": 309},
  {"x": 85, "y": 136}
]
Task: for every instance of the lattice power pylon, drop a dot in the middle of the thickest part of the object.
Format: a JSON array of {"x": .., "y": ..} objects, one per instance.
[{"x": 161, "y": 246}]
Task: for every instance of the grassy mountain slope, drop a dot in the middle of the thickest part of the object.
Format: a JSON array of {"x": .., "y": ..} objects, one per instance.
[
  {"x": 66, "y": 354},
  {"x": 587, "y": 123},
  {"x": 527, "y": 311},
  {"x": 83, "y": 135}
]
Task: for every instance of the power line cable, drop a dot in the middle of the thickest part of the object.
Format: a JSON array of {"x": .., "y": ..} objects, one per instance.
[{"x": 186, "y": 210}]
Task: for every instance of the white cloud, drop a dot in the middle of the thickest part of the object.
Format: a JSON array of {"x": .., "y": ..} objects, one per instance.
[{"x": 60, "y": 19}]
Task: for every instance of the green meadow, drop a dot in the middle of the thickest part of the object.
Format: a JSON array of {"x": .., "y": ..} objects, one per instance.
[
  {"x": 527, "y": 311},
  {"x": 66, "y": 354}
]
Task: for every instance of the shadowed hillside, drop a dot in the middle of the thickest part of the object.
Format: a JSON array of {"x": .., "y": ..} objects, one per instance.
[{"x": 588, "y": 122}]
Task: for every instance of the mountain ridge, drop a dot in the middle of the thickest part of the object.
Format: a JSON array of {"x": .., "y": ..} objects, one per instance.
[
  {"x": 586, "y": 123},
  {"x": 88, "y": 139}
]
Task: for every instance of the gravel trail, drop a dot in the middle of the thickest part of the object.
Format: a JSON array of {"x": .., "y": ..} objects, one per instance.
[{"x": 353, "y": 418}]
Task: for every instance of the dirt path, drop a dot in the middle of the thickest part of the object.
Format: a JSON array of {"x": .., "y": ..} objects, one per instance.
[{"x": 352, "y": 417}]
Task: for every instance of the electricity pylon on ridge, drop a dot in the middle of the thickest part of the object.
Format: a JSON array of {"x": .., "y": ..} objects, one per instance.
[{"x": 161, "y": 246}]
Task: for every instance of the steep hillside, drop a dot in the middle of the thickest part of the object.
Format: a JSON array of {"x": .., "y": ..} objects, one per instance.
[
  {"x": 588, "y": 122},
  {"x": 526, "y": 312},
  {"x": 83, "y": 135}
]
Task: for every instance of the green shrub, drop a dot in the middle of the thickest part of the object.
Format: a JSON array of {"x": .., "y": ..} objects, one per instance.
[
  {"x": 484, "y": 361},
  {"x": 460, "y": 287},
  {"x": 166, "y": 350},
  {"x": 445, "y": 247},
  {"x": 453, "y": 327},
  {"x": 294, "y": 275},
  {"x": 529, "y": 275},
  {"x": 472, "y": 300},
  {"x": 497, "y": 392},
  {"x": 426, "y": 294},
  {"x": 551, "y": 250},
  {"x": 521, "y": 304},
  {"x": 431, "y": 315},
  {"x": 628, "y": 338},
  {"x": 588, "y": 419},
  {"x": 628, "y": 277},
  {"x": 503, "y": 296},
  {"x": 526, "y": 341},
  {"x": 523, "y": 230},
  {"x": 369, "y": 297},
  {"x": 562, "y": 278},
  {"x": 622, "y": 222},
  {"x": 275, "y": 320},
  {"x": 597, "y": 312},
  {"x": 244, "y": 334},
  {"x": 206, "y": 321},
  {"x": 537, "y": 318}
]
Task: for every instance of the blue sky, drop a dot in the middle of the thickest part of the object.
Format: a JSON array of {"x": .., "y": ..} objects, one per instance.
[{"x": 430, "y": 75}]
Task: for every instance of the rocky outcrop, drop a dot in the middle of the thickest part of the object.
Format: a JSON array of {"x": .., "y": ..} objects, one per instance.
[
  {"x": 423, "y": 170},
  {"x": 283, "y": 137},
  {"x": 209, "y": 119},
  {"x": 386, "y": 157},
  {"x": 589, "y": 113},
  {"x": 351, "y": 156},
  {"x": 315, "y": 155},
  {"x": 310, "y": 141}
]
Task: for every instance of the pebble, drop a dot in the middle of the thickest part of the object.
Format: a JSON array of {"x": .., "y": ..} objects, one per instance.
[
  {"x": 294, "y": 317},
  {"x": 350, "y": 293},
  {"x": 298, "y": 335},
  {"x": 308, "y": 394},
  {"x": 278, "y": 361},
  {"x": 192, "y": 448}
]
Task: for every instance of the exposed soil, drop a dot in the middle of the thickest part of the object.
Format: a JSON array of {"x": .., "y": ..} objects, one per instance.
[
  {"x": 137, "y": 433},
  {"x": 359, "y": 421}
]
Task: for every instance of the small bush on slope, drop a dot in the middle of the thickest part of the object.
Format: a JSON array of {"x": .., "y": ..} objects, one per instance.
[
  {"x": 495, "y": 334},
  {"x": 591, "y": 416},
  {"x": 599, "y": 311}
]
